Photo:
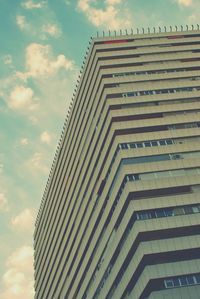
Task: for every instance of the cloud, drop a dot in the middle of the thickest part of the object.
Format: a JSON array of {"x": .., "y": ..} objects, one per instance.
[
  {"x": 24, "y": 221},
  {"x": 22, "y": 98},
  {"x": 52, "y": 30},
  {"x": 185, "y": 2},
  {"x": 24, "y": 141},
  {"x": 21, "y": 22},
  {"x": 18, "y": 279},
  {"x": 113, "y": 16},
  {"x": 29, "y": 4},
  {"x": 45, "y": 137},
  {"x": 40, "y": 61},
  {"x": 37, "y": 164},
  {"x": 7, "y": 59},
  {"x": 3, "y": 201}
]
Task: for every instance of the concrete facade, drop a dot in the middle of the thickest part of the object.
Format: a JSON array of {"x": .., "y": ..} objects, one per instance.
[{"x": 121, "y": 213}]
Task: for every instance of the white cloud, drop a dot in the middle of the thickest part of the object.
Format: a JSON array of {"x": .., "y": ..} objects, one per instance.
[
  {"x": 24, "y": 141},
  {"x": 113, "y": 16},
  {"x": 185, "y": 2},
  {"x": 24, "y": 221},
  {"x": 40, "y": 61},
  {"x": 37, "y": 164},
  {"x": 7, "y": 59},
  {"x": 3, "y": 201},
  {"x": 21, "y": 22},
  {"x": 21, "y": 98},
  {"x": 52, "y": 30},
  {"x": 45, "y": 137},
  {"x": 18, "y": 279},
  {"x": 29, "y": 4}
]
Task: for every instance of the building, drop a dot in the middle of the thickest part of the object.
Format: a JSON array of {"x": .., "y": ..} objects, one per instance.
[{"x": 120, "y": 217}]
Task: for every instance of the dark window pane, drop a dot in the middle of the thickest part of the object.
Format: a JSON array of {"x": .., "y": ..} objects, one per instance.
[
  {"x": 176, "y": 282},
  {"x": 183, "y": 281},
  {"x": 147, "y": 144},
  {"x": 190, "y": 279},
  {"x": 169, "y": 283},
  {"x": 168, "y": 212},
  {"x": 162, "y": 142},
  {"x": 139, "y": 144},
  {"x": 154, "y": 143},
  {"x": 188, "y": 210},
  {"x": 197, "y": 276},
  {"x": 132, "y": 145},
  {"x": 160, "y": 213}
]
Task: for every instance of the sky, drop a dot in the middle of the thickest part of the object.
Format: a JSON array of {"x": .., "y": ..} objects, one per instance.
[{"x": 43, "y": 44}]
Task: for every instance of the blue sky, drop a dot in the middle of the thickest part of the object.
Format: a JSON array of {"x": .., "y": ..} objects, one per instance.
[{"x": 42, "y": 48}]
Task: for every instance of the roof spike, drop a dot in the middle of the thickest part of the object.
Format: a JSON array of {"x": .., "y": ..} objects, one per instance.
[
  {"x": 142, "y": 30},
  {"x": 120, "y": 32},
  {"x": 176, "y": 27},
  {"x": 154, "y": 29},
  {"x": 159, "y": 29},
  {"x": 187, "y": 27},
  {"x": 115, "y": 32},
  {"x": 197, "y": 26},
  {"x": 192, "y": 27},
  {"x": 126, "y": 31},
  {"x": 165, "y": 28},
  {"x": 170, "y": 28},
  {"x": 181, "y": 27},
  {"x": 137, "y": 30},
  {"x": 131, "y": 30},
  {"x": 148, "y": 30}
]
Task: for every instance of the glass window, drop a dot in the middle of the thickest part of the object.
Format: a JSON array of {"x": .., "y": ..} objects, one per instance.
[
  {"x": 162, "y": 142},
  {"x": 195, "y": 209},
  {"x": 139, "y": 144},
  {"x": 147, "y": 144},
  {"x": 178, "y": 211},
  {"x": 160, "y": 213},
  {"x": 188, "y": 210},
  {"x": 197, "y": 277},
  {"x": 168, "y": 212},
  {"x": 132, "y": 145},
  {"x": 183, "y": 281},
  {"x": 190, "y": 279},
  {"x": 168, "y": 141},
  {"x": 154, "y": 143},
  {"x": 169, "y": 283}
]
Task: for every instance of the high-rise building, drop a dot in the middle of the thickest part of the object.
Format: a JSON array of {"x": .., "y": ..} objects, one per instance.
[{"x": 120, "y": 217}]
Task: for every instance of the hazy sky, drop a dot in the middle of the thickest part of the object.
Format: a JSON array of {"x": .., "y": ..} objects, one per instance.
[{"x": 42, "y": 47}]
